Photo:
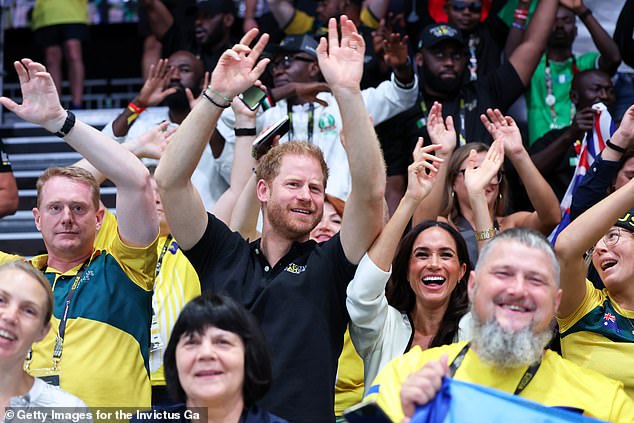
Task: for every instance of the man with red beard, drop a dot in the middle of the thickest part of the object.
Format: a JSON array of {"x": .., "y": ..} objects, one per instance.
[
  {"x": 174, "y": 82},
  {"x": 294, "y": 286}
]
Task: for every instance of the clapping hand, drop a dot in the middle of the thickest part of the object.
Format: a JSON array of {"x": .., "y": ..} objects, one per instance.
[
  {"x": 422, "y": 173},
  {"x": 505, "y": 129},
  {"x": 477, "y": 178},
  {"x": 152, "y": 143},
  {"x": 441, "y": 132}
]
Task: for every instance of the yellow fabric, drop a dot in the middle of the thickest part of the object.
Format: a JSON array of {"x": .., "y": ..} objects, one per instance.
[
  {"x": 368, "y": 19},
  {"x": 594, "y": 350},
  {"x": 56, "y": 12},
  {"x": 103, "y": 364},
  {"x": 176, "y": 285},
  {"x": 6, "y": 258},
  {"x": 301, "y": 23},
  {"x": 349, "y": 387},
  {"x": 558, "y": 382}
]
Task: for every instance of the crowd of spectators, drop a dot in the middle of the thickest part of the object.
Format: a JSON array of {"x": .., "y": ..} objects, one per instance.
[{"x": 393, "y": 236}]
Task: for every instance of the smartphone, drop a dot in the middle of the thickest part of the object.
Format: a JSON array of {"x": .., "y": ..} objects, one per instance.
[
  {"x": 263, "y": 143},
  {"x": 366, "y": 412},
  {"x": 252, "y": 97}
]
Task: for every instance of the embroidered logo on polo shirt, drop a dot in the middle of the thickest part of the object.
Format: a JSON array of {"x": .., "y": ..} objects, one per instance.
[
  {"x": 294, "y": 268},
  {"x": 327, "y": 123}
]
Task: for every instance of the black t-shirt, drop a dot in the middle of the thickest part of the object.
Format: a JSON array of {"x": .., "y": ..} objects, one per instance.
[
  {"x": 488, "y": 39},
  {"x": 560, "y": 177},
  {"x": 398, "y": 135},
  {"x": 300, "y": 304}
]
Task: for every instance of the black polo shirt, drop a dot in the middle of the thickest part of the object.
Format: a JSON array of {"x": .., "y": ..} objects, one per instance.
[
  {"x": 300, "y": 304},
  {"x": 497, "y": 89}
]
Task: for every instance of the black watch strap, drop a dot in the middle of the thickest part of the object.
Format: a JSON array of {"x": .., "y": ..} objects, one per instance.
[
  {"x": 69, "y": 123},
  {"x": 615, "y": 147},
  {"x": 244, "y": 132}
]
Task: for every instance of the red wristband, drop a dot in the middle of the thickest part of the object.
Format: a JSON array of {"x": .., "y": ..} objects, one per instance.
[{"x": 135, "y": 109}]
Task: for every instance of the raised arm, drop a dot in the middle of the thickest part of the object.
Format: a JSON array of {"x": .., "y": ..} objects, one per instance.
[
  {"x": 151, "y": 94},
  {"x": 283, "y": 11},
  {"x": 623, "y": 32},
  {"x": 610, "y": 58},
  {"x": 422, "y": 175},
  {"x": 237, "y": 69},
  {"x": 341, "y": 64},
  {"x": 136, "y": 213},
  {"x": 441, "y": 132},
  {"x": 242, "y": 167},
  {"x": 547, "y": 213},
  {"x": 586, "y": 230},
  {"x": 476, "y": 180},
  {"x": 148, "y": 145},
  {"x": 526, "y": 56}
]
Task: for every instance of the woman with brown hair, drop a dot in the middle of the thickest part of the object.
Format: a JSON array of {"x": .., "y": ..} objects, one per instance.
[{"x": 455, "y": 202}]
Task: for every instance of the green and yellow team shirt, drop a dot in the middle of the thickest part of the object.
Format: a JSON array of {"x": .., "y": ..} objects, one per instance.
[
  {"x": 302, "y": 22},
  {"x": 105, "y": 350},
  {"x": 540, "y": 119},
  {"x": 177, "y": 283},
  {"x": 557, "y": 383},
  {"x": 599, "y": 335}
]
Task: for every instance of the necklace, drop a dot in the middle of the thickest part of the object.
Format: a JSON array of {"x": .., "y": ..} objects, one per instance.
[{"x": 550, "y": 98}]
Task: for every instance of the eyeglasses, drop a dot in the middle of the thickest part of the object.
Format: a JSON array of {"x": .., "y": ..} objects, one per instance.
[
  {"x": 610, "y": 239},
  {"x": 499, "y": 179},
  {"x": 285, "y": 61},
  {"x": 459, "y": 6}
]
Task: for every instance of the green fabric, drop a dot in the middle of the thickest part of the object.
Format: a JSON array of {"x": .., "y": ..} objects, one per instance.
[
  {"x": 56, "y": 12},
  {"x": 539, "y": 114},
  {"x": 507, "y": 13}
]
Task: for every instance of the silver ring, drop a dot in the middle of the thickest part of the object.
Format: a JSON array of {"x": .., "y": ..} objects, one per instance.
[{"x": 353, "y": 47}]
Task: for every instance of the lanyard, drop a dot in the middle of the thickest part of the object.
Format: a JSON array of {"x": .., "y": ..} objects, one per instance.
[
  {"x": 311, "y": 120},
  {"x": 59, "y": 338},
  {"x": 159, "y": 262},
  {"x": 521, "y": 385},
  {"x": 550, "y": 98},
  {"x": 462, "y": 137}
]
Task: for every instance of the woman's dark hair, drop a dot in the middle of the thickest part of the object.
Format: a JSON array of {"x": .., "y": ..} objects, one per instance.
[
  {"x": 224, "y": 313},
  {"x": 400, "y": 295}
]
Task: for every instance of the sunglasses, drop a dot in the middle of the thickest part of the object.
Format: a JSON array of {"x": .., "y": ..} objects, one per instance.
[
  {"x": 286, "y": 61},
  {"x": 459, "y": 6},
  {"x": 500, "y": 174}
]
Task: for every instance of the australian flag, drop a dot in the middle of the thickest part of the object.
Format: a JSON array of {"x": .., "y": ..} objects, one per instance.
[{"x": 593, "y": 143}]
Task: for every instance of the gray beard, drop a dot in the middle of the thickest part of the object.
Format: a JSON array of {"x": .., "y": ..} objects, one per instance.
[{"x": 504, "y": 349}]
